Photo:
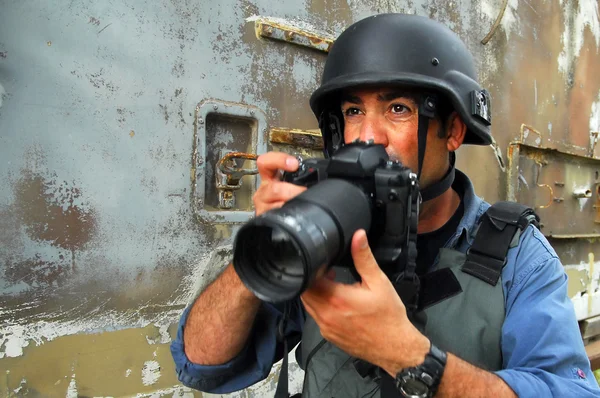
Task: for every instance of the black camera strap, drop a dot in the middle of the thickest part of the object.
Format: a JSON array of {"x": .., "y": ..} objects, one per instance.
[
  {"x": 282, "y": 390},
  {"x": 407, "y": 282}
]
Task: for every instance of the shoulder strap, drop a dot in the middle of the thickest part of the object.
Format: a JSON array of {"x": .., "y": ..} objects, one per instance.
[{"x": 487, "y": 257}]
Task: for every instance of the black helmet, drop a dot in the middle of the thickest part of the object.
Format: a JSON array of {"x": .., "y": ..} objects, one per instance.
[{"x": 406, "y": 50}]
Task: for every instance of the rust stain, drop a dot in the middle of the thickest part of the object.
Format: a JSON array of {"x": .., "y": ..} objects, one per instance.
[
  {"x": 293, "y": 34},
  {"x": 302, "y": 138},
  {"x": 49, "y": 213},
  {"x": 131, "y": 133}
]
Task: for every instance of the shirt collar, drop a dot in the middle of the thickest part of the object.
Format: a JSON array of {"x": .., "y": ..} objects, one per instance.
[{"x": 474, "y": 207}]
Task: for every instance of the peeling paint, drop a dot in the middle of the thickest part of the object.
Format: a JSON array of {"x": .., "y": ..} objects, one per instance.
[
  {"x": 510, "y": 21},
  {"x": 150, "y": 372},
  {"x": 576, "y": 22},
  {"x": 163, "y": 335},
  {"x": 595, "y": 116},
  {"x": 13, "y": 342},
  {"x": 174, "y": 392},
  {"x": 72, "y": 389},
  {"x": 586, "y": 299}
]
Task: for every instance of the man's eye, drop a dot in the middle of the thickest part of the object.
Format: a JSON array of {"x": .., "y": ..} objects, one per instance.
[
  {"x": 397, "y": 108},
  {"x": 352, "y": 111}
]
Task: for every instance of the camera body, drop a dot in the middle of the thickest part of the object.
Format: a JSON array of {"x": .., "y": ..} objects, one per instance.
[
  {"x": 278, "y": 254},
  {"x": 393, "y": 193}
]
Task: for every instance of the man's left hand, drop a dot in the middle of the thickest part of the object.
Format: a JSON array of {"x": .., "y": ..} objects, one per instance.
[{"x": 367, "y": 319}]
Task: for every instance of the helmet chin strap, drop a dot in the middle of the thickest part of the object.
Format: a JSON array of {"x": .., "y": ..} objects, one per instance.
[{"x": 426, "y": 113}]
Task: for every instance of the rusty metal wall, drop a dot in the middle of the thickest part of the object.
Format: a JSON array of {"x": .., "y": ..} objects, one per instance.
[{"x": 113, "y": 115}]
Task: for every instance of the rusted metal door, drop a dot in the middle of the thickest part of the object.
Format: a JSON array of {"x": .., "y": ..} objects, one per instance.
[{"x": 121, "y": 125}]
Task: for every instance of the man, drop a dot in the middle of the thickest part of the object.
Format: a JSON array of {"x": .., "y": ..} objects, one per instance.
[{"x": 409, "y": 84}]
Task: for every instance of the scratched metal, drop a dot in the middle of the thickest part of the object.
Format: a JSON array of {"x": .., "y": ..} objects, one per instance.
[{"x": 97, "y": 113}]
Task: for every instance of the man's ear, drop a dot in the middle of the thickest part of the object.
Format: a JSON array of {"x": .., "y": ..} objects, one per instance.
[{"x": 456, "y": 131}]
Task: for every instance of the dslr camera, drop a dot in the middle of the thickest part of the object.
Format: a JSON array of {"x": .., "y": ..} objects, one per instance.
[{"x": 278, "y": 254}]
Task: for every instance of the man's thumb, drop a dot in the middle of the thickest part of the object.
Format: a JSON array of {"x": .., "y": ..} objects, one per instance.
[{"x": 365, "y": 263}]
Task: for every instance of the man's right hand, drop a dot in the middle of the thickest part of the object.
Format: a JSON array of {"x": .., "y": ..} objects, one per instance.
[{"x": 273, "y": 193}]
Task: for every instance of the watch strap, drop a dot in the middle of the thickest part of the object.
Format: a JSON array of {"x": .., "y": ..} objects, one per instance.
[{"x": 430, "y": 372}]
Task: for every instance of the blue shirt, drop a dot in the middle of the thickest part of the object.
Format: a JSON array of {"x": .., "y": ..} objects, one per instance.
[{"x": 543, "y": 354}]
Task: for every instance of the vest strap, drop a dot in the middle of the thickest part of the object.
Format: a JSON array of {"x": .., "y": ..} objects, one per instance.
[
  {"x": 437, "y": 286},
  {"x": 487, "y": 257}
]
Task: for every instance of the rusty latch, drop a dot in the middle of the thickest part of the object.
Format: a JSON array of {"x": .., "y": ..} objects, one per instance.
[{"x": 229, "y": 176}]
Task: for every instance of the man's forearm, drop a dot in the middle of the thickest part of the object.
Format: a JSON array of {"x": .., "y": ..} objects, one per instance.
[
  {"x": 220, "y": 320},
  {"x": 461, "y": 379}
]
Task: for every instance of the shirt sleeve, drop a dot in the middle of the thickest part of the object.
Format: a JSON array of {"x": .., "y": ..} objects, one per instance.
[
  {"x": 543, "y": 353},
  {"x": 252, "y": 364}
]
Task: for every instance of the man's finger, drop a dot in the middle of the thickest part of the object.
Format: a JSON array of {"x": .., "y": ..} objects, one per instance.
[
  {"x": 277, "y": 190},
  {"x": 365, "y": 263},
  {"x": 271, "y": 162}
]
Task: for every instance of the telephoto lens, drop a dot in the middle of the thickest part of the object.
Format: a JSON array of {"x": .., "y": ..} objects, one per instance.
[{"x": 278, "y": 254}]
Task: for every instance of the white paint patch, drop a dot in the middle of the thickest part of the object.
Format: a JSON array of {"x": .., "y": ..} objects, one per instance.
[
  {"x": 178, "y": 392},
  {"x": 128, "y": 373},
  {"x": 550, "y": 128},
  {"x": 595, "y": 116},
  {"x": 586, "y": 306},
  {"x": 510, "y": 21},
  {"x": 535, "y": 92},
  {"x": 150, "y": 372},
  {"x": 21, "y": 385},
  {"x": 13, "y": 342},
  {"x": 586, "y": 16},
  {"x": 163, "y": 335},
  {"x": 72, "y": 389},
  {"x": 581, "y": 188}
]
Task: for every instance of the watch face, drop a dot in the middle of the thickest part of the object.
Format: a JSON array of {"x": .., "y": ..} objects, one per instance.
[{"x": 413, "y": 388}]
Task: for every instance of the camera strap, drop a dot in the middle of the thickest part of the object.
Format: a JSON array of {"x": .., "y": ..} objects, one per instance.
[
  {"x": 407, "y": 283},
  {"x": 282, "y": 390}
]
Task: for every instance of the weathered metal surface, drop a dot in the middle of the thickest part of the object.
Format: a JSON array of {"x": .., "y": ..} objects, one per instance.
[
  {"x": 223, "y": 127},
  {"x": 560, "y": 187},
  {"x": 110, "y": 208}
]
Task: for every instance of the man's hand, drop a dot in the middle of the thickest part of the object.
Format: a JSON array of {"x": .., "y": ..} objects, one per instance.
[
  {"x": 367, "y": 320},
  {"x": 273, "y": 193}
]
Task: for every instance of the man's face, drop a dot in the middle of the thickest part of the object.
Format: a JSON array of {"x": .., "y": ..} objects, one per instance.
[{"x": 389, "y": 116}]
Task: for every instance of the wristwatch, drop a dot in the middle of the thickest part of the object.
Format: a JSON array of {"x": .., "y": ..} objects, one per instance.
[{"x": 422, "y": 381}]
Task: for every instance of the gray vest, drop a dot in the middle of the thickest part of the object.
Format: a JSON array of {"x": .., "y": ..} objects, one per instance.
[{"x": 468, "y": 324}]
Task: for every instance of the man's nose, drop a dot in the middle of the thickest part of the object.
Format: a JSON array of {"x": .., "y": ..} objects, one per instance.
[{"x": 372, "y": 129}]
